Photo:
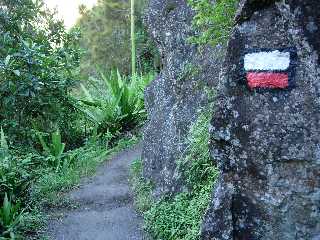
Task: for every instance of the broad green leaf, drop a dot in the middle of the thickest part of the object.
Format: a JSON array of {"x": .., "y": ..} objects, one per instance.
[
  {"x": 16, "y": 72},
  {"x": 6, "y": 210},
  {"x": 7, "y": 60}
]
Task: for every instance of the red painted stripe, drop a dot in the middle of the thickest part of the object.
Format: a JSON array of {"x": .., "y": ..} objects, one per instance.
[{"x": 267, "y": 80}]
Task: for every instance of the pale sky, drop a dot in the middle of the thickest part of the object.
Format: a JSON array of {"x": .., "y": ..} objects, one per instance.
[{"x": 68, "y": 9}]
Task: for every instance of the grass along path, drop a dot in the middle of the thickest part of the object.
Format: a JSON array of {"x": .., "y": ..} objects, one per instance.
[{"x": 104, "y": 205}]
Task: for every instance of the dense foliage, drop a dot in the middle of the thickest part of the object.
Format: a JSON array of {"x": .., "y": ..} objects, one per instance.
[
  {"x": 54, "y": 129},
  {"x": 180, "y": 216},
  {"x": 213, "y": 22},
  {"x": 106, "y": 36},
  {"x": 113, "y": 102},
  {"x": 38, "y": 65}
]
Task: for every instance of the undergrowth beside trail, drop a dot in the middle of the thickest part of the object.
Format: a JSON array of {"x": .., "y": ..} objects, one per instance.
[
  {"x": 34, "y": 186},
  {"x": 180, "y": 216}
]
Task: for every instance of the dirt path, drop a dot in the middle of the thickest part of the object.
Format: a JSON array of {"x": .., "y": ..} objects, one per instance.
[{"x": 105, "y": 205}]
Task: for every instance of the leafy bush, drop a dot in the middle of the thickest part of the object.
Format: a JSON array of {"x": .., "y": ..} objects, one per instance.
[
  {"x": 15, "y": 172},
  {"x": 213, "y": 22},
  {"x": 115, "y": 103},
  {"x": 15, "y": 176},
  {"x": 38, "y": 64}
]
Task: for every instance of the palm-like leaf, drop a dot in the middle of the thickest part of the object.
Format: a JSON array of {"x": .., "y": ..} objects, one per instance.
[{"x": 115, "y": 102}]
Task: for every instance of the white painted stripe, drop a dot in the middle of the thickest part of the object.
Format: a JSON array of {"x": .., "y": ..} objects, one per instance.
[{"x": 274, "y": 60}]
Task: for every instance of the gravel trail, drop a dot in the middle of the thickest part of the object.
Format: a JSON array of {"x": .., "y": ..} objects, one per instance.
[{"x": 105, "y": 202}]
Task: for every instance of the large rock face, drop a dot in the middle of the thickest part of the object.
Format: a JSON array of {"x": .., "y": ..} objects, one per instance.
[
  {"x": 175, "y": 96},
  {"x": 266, "y": 128}
]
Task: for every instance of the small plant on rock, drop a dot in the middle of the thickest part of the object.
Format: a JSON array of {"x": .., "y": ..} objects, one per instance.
[{"x": 213, "y": 21}]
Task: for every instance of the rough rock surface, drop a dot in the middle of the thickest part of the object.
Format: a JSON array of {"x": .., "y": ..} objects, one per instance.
[
  {"x": 175, "y": 96},
  {"x": 267, "y": 142}
]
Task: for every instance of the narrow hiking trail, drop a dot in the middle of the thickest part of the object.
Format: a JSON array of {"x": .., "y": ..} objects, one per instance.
[{"x": 105, "y": 203}]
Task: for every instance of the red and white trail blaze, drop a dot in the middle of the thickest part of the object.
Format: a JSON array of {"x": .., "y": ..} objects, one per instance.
[{"x": 267, "y": 69}]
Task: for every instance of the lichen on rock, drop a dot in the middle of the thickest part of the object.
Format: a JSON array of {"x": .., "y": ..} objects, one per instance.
[
  {"x": 268, "y": 153},
  {"x": 174, "y": 98}
]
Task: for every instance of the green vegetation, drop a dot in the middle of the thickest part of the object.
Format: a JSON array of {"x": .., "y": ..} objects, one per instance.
[
  {"x": 38, "y": 65},
  {"x": 180, "y": 216},
  {"x": 58, "y": 124},
  {"x": 213, "y": 22},
  {"x": 67, "y": 100},
  {"x": 110, "y": 42},
  {"x": 114, "y": 102},
  {"x": 34, "y": 181},
  {"x": 189, "y": 70},
  {"x": 141, "y": 187}
]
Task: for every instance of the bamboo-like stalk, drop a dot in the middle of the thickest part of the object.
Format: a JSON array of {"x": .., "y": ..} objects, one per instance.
[{"x": 133, "y": 40}]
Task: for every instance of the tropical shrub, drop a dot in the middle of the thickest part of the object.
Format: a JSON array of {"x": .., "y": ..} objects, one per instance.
[
  {"x": 38, "y": 65},
  {"x": 15, "y": 176},
  {"x": 15, "y": 172},
  {"x": 113, "y": 102}
]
